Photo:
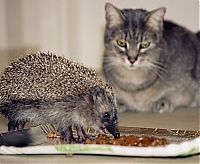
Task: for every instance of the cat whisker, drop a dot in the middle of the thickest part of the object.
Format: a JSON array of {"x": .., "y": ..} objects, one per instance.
[
  {"x": 157, "y": 62},
  {"x": 109, "y": 57},
  {"x": 158, "y": 69},
  {"x": 157, "y": 74},
  {"x": 109, "y": 64},
  {"x": 155, "y": 69},
  {"x": 158, "y": 65},
  {"x": 108, "y": 68}
]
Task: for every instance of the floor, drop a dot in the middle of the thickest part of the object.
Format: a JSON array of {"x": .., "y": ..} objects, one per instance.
[{"x": 180, "y": 119}]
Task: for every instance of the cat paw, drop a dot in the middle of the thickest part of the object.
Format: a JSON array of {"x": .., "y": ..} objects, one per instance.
[{"x": 161, "y": 106}]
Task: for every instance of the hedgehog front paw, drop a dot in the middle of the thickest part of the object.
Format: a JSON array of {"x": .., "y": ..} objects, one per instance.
[
  {"x": 82, "y": 136},
  {"x": 161, "y": 106},
  {"x": 67, "y": 135}
]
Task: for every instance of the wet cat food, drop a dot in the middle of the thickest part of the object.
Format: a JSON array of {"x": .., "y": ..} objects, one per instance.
[{"x": 129, "y": 140}]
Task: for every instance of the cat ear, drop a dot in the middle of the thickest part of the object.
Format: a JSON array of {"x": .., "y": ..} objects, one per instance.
[
  {"x": 114, "y": 16},
  {"x": 155, "y": 18}
]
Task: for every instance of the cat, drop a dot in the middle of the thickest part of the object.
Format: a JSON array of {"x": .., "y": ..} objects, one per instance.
[{"x": 153, "y": 64}]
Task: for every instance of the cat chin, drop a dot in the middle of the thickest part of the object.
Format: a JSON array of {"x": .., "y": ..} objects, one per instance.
[{"x": 130, "y": 67}]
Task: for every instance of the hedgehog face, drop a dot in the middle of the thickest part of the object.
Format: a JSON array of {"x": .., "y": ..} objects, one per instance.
[{"x": 105, "y": 109}]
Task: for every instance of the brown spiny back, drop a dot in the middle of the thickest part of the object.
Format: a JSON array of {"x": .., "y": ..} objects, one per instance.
[{"x": 46, "y": 76}]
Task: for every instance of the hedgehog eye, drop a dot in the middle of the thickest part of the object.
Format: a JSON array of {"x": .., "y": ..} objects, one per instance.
[{"x": 106, "y": 115}]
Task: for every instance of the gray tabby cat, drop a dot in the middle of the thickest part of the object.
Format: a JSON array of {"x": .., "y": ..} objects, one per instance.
[{"x": 153, "y": 65}]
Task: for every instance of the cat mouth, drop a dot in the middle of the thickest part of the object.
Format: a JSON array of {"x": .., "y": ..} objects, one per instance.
[{"x": 131, "y": 67}]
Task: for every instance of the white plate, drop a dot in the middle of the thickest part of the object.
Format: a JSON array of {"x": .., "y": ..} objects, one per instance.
[{"x": 185, "y": 148}]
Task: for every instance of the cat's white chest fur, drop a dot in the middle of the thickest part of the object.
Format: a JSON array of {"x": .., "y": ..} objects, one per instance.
[{"x": 160, "y": 97}]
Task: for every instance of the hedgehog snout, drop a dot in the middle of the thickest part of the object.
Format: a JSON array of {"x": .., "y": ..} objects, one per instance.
[
  {"x": 112, "y": 128},
  {"x": 110, "y": 125}
]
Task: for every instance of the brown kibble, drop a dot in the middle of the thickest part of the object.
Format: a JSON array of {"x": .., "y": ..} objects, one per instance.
[
  {"x": 130, "y": 140},
  {"x": 52, "y": 135}
]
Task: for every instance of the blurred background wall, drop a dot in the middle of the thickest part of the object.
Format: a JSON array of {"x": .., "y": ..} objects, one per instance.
[{"x": 72, "y": 28}]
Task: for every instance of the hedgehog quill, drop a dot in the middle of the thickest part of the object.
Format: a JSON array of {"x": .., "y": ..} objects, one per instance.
[{"x": 44, "y": 88}]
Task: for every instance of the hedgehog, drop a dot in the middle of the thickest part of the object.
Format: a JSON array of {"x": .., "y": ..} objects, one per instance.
[{"x": 45, "y": 88}]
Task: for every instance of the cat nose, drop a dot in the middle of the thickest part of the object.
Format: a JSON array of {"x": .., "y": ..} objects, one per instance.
[{"x": 132, "y": 60}]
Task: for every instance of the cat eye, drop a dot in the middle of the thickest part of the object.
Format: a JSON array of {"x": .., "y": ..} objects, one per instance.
[
  {"x": 122, "y": 43},
  {"x": 144, "y": 44}
]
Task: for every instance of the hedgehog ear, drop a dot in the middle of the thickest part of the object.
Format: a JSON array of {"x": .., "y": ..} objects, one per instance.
[{"x": 94, "y": 93}]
